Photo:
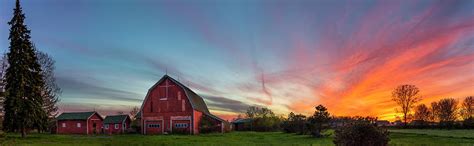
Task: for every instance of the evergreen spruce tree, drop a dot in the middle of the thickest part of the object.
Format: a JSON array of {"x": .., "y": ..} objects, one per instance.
[{"x": 23, "y": 101}]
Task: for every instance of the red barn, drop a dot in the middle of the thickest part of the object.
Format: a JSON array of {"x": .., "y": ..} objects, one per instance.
[
  {"x": 79, "y": 123},
  {"x": 116, "y": 124},
  {"x": 171, "y": 107}
]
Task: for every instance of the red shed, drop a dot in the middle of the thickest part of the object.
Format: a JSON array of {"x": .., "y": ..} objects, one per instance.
[
  {"x": 79, "y": 123},
  {"x": 116, "y": 124},
  {"x": 171, "y": 107}
]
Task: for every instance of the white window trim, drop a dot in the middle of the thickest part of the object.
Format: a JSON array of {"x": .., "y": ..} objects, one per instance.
[
  {"x": 63, "y": 125},
  {"x": 78, "y": 125},
  {"x": 106, "y": 126},
  {"x": 116, "y": 126}
]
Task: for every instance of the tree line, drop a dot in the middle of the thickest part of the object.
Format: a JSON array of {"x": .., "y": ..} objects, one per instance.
[
  {"x": 442, "y": 113},
  {"x": 354, "y": 130},
  {"x": 29, "y": 92}
]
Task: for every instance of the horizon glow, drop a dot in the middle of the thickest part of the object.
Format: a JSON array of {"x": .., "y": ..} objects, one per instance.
[{"x": 289, "y": 56}]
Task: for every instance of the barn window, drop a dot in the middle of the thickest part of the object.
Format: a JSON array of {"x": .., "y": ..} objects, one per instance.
[
  {"x": 179, "y": 95},
  {"x": 181, "y": 125},
  {"x": 124, "y": 126},
  {"x": 116, "y": 126},
  {"x": 153, "y": 125},
  {"x": 78, "y": 125},
  {"x": 106, "y": 126},
  {"x": 64, "y": 124}
]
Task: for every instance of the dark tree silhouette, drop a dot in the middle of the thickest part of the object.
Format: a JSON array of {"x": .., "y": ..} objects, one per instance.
[
  {"x": 319, "y": 121},
  {"x": 445, "y": 111},
  {"x": 23, "y": 103},
  {"x": 254, "y": 112},
  {"x": 406, "y": 96},
  {"x": 467, "y": 108},
  {"x": 422, "y": 112},
  {"x": 263, "y": 119},
  {"x": 295, "y": 123}
]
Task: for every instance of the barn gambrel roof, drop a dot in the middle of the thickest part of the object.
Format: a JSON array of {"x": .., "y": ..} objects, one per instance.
[{"x": 196, "y": 101}]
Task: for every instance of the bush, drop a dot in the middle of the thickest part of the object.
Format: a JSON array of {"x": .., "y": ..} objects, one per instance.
[
  {"x": 2, "y": 135},
  {"x": 361, "y": 134},
  {"x": 295, "y": 124},
  {"x": 206, "y": 125},
  {"x": 468, "y": 123},
  {"x": 265, "y": 124}
]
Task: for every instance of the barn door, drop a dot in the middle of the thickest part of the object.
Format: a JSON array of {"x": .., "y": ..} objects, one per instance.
[{"x": 154, "y": 127}]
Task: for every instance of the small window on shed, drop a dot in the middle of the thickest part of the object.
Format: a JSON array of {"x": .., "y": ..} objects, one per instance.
[
  {"x": 116, "y": 126},
  {"x": 63, "y": 124},
  {"x": 106, "y": 126},
  {"x": 78, "y": 125}
]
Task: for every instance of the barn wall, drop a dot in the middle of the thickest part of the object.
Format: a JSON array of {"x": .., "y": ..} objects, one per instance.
[
  {"x": 181, "y": 130},
  {"x": 112, "y": 129},
  {"x": 71, "y": 127},
  {"x": 98, "y": 124},
  {"x": 155, "y": 109},
  {"x": 197, "y": 118}
]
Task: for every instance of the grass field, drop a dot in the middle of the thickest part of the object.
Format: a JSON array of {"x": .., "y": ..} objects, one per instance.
[{"x": 398, "y": 137}]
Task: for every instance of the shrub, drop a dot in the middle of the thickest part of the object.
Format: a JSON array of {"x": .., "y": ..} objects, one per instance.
[
  {"x": 295, "y": 124},
  {"x": 263, "y": 119},
  {"x": 206, "y": 125},
  {"x": 2, "y": 134},
  {"x": 361, "y": 134},
  {"x": 468, "y": 123}
]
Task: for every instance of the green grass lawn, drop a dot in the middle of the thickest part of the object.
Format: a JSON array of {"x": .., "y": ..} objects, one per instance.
[{"x": 398, "y": 137}]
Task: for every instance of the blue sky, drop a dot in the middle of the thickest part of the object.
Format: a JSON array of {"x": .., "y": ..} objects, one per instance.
[{"x": 286, "y": 55}]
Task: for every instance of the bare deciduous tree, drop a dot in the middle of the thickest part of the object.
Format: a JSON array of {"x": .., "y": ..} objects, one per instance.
[
  {"x": 51, "y": 89},
  {"x": 134, "y": 112},
  {"x": 3, "y": 69},
  {"x": 406, "y": 96},
  {"x": 254, "y": 112},
  {"x": 422, "y": 112},
  {"x": 445, "y": 110},
  {"x": 467, "y": 108}
]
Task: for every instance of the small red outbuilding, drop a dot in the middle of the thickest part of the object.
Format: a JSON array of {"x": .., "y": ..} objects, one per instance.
[
  {"x": 79, "y": 123},
  {"x": 116, "y": 124}
]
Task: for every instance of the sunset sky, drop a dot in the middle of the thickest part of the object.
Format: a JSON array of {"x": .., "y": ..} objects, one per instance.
[{"x": 288, "y": 55}]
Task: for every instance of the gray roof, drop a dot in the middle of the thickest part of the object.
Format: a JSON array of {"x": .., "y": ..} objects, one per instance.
[
  {"x": 243, "y": 120},
  {"x": 75, "y": 116},
  {"x": 115, "y": 119},
  {"x": 196, "y": 101}
]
